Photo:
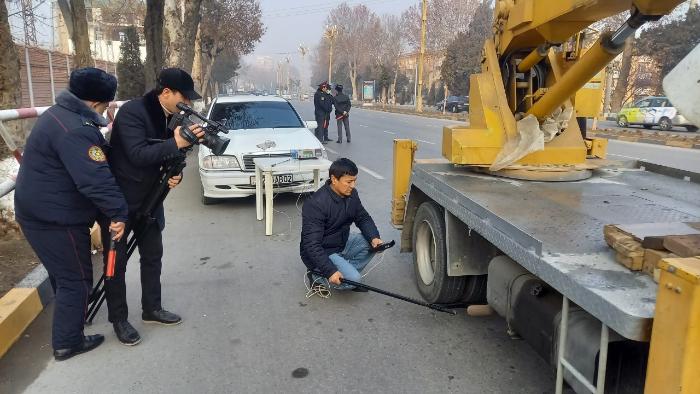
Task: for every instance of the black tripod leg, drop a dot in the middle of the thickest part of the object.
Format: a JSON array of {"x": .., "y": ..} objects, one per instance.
[
  {"x": 96, "y": 306},
  {"x": 96, "y": 289}
]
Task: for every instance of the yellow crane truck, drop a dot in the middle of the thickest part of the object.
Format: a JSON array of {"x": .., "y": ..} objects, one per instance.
[{"x": 513, "y": 216}]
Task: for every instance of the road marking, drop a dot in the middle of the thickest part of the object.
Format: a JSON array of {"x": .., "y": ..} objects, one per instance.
[
  {"x": 332, "y": 151},
  {"x": 626, "y": 157},
  {"x": 425, "y": 142},
  {"x": 388, "y": 132},
  {"x": 365, "y": 126},
  {"x": 367, "y": 170}
]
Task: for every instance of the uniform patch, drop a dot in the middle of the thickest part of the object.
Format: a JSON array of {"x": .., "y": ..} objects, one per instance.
[{"x": 96, "y": 154}]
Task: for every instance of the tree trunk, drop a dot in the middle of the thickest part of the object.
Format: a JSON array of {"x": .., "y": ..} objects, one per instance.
[
  {"x": 10, "y": 86},
  {"x": 153, "y": 31},
  {"x": 353, "y": 79},
  {"x": 197, "y": 60},
  {"x": 180, "y": 30},
  {"x": 393, "y": 84},
  {"x": 622, "y": 80},
  {"x": 81, "y": 37}
]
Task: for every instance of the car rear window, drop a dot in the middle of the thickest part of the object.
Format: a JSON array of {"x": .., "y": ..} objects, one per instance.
[{"x": 256, "y": 115}]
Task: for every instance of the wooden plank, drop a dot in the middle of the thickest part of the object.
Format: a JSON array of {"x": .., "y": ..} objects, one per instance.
[
  {"x": 640, "y": 231},
  {"x": 683, "y": 245},
  {"x": 652, "y": 258},
  {"x": 634, "y": 262}
]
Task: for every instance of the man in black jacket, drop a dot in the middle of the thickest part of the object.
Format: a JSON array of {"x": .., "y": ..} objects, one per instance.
[
  {"x": 63, "y": 183},
  {"x": 341, "y": 101},
  {"x": 327, "y": 247},
  {"x": 140, "y": 143},
  {"x": 323, "y": 105}
]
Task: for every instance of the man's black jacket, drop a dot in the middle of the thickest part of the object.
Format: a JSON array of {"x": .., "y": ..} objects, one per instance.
[
  {"x": 64, "y": 179},
  {"x": 341, "y": 103},
  {"x": 323, "y": 105},
  {"x": 326, "y": 220},
  {"x": 136, "y": 154}
]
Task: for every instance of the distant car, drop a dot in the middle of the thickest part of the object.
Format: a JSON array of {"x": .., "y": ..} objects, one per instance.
[
  {"x": 454, "y": 104},
  {"x": 306, "y": 96},
  {"x": 260, "y": 126},
  {"x": 286, "y": 96},
  {"x": 653, "y": 111}
]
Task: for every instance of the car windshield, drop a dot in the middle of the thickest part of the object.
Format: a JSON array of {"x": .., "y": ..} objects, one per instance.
[{"x": 256, "y": 115}]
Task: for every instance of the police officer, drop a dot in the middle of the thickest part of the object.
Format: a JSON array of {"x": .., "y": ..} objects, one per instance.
[
  {"x": 342, "y": 105},
  {"x": 63, "y": 182},
  {"x": 323, "y": 104},
  {"x": 140, "y": 143}
]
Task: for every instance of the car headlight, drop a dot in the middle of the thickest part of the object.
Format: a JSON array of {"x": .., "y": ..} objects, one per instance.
[
  {"x": 321, "y": 153},
  {"x": 223, "y": 162}
]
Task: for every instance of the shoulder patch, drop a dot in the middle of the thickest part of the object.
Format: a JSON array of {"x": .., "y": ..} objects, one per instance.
[{"x": 96, "y": 154}]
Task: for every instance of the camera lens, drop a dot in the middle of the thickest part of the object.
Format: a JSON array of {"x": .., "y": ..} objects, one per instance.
[{"x": 216, "y": 144}]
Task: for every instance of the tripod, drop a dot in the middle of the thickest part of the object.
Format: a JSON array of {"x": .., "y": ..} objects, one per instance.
[{"x": 143, "y": 219}]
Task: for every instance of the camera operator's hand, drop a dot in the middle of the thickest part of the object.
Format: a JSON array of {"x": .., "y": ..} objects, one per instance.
[
  {"x": 335, "y": 278},
  {"x": 376, "y": 242},
  {"x": 174, "y": 181},
  {"x": 118, "y": 229},
  {"x": 182, "y": 142}
]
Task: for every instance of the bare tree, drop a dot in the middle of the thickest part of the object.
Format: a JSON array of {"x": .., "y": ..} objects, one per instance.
[
  {"x": 446, "y": 18},
  {"x": 10, "y": 93},
  {"x": 75, "y": 17},
  {"x": 359, "y": 31},
  {"x": 623, "y": 78},
  {"x": 153, "y": 32},
  {"x": 234, "y": 25},
  {"x": 392, "y": 45},
  {"x": 180, "y": 28}
]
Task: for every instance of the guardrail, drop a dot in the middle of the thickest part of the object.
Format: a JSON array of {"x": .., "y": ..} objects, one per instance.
[{"x": 28, "y": 113}]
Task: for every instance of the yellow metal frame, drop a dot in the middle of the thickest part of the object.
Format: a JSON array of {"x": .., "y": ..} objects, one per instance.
[
  {"x": 404, "y": 154},
  {"x": 674, "y": 356}
]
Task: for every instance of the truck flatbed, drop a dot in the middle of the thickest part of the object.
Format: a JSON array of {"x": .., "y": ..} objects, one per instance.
[{"x": 555, "y": 229}]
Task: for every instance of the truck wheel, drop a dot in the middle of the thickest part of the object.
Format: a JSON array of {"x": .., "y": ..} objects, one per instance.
[{"x": 429, "y": 257}]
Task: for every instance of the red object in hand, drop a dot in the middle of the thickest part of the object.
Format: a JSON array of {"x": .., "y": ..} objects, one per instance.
[{"x": 111, "y": 257}]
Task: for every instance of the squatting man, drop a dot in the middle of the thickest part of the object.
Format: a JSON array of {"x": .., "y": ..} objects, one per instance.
[{"x": 327, "y": 247}]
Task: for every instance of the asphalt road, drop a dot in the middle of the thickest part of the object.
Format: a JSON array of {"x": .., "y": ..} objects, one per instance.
[{"x": 248, "y": 326}]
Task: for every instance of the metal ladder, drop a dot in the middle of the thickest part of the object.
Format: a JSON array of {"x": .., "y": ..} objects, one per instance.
[{"x": 563, "y": 364}]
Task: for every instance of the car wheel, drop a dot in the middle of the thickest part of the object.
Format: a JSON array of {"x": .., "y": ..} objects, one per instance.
[
  {"x": 622, "y": 121},
  {"x": 206, "y": 200},
  {"x": 429, "y": 257},
  {"x": 665, "y": 124},
  {"x": 692, "y": 129}
]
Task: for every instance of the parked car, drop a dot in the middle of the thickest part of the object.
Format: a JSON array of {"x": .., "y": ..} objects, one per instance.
[
  {"x": 653, "y": 111},
  {"x": 260, "y": 126},
  {"x": 454, "y": 104}
]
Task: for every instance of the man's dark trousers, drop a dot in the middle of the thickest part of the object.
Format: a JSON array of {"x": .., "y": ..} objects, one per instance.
[
  {"x": 150, "y": 247},
  {"x": 65, "y": 253},
  {"x": 345, "y": 121}
]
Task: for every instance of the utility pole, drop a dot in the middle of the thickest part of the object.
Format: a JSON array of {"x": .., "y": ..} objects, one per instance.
[
  {"x": 303, "y": 50},
  {"x": 423, "y": 26},
  {"x": 331, "y": 34},
  {"x": 29, "y": 25}
]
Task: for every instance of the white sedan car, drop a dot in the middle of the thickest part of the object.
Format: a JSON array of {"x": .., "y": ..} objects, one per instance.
[{"x": 259, "y": 126}]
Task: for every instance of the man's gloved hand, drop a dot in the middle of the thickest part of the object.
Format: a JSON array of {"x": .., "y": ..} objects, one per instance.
[{"x": 335, "y": 278}]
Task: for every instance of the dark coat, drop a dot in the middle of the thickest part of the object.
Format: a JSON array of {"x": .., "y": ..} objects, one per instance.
[
  {"x": 140, "y": 143},
  {"x": 341, "y": 101},
  {"x": 64, "y": 179},
  {"x": 326, "y": 220},
  {"x": 323, "y": 105}
]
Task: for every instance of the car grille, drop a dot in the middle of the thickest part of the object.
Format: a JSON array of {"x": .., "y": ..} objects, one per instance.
[{"x": 248, "y": 164}]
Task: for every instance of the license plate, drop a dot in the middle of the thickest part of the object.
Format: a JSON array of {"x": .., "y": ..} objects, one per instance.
[{"x": 276, "y": 179}]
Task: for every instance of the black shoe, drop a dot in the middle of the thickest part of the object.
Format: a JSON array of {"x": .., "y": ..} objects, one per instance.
[
  {"x": 358, "y": 289},
  {"x": 324, "y": 142},
  {"x": 348, "y": 140},
  {"x": 126, "y": 333},
  {"x": 161, "y": 317},
  {"x": 89, "y": 342},
  {"x": 339, "y": 141},
  {"x": 327, "y": 139}
]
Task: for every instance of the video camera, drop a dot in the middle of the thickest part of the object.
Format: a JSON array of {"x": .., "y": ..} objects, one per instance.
[{"x": 211, "y": 129}]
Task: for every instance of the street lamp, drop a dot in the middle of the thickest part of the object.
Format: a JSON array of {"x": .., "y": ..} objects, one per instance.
[{"x": 330, "y": 34}]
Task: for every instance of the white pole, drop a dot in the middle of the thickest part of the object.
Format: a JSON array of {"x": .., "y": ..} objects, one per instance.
[
  {"x": 53, "y": 86},
  {"x": 29, "y": 76}
]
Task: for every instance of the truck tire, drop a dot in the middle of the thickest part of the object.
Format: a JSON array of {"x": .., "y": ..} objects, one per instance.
[{"x": 429, "y": 257}]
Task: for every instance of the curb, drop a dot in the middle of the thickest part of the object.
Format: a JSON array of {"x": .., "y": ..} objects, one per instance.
[
  {"x": 688, "y": 144},
  {"x": 21, "y": 305},
  {"x": 435, "y": 115}
]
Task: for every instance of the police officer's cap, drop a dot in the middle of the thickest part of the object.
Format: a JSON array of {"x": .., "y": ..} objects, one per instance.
[
  {"x": 93, "y": 84},
  {"x": 179, "y": 80}
]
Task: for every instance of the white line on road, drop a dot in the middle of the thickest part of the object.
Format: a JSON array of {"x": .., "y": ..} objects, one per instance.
[
  {"x": 332, "y": 151},
  {"x": 362, "y": 125},
  {"x": 626, "y": 157},
  {"x": 367, "y": 170},
  {"x": 425, "y": 142},
  {"x": 388, "y": 132}
]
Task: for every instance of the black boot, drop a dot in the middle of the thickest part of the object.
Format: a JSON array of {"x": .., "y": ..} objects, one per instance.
[
  {"x": 89, "y": 342},
  {"x": 126, "y": 333},
  {"x": 161, "y": 317}
]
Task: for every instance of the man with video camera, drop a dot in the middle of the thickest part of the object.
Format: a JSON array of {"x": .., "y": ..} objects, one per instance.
[{"x": 140, "y": 145}]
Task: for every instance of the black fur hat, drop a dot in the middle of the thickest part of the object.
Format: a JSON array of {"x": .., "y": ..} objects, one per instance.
[{"x": 93, "y": 84}]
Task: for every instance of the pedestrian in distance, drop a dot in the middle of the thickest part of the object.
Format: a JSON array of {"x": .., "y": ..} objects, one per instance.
[
  {"x": 63, "y": 183},
  {"x": 323, "y": 105},
  {"x": 140, "y": 143},
  {"x": 327, "y": 247},
  {"x": 342, "y": 105}
]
